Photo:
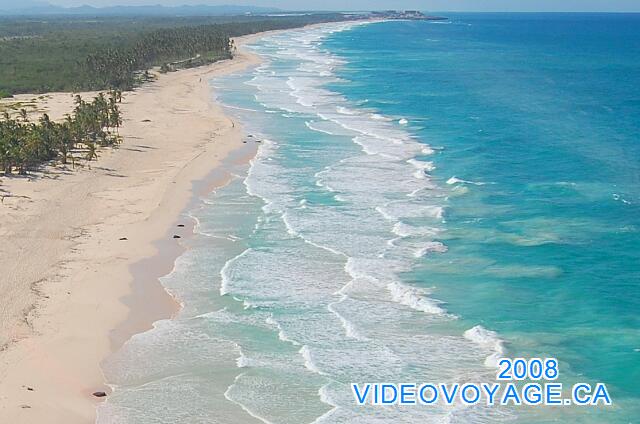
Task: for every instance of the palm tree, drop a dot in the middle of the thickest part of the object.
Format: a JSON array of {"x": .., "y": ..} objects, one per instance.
[
  {"x": 23, "y": 145},
  {"x": 63, "y": 140},
  {"x": 91, "y": 151}
]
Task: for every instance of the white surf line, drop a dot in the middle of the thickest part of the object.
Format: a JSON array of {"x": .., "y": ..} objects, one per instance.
[
  {"x": 304, "y": 351},
  {"x": 225, "y": 279},
  {"x": 324, "y": 398},
  {"x": 227, "y": 396},
  {"x": 489, "y": 340},
  {"x": 405, "y": 293},
  {"x": 349, "y": 328},
  {"x": 281, "y": 334}
]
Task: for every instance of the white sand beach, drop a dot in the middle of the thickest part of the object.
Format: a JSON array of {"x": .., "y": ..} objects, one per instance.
[{"x": 71, "y": 236}]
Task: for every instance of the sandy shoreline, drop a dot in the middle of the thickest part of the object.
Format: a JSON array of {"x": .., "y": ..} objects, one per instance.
[{"x": 77, "y": 241}]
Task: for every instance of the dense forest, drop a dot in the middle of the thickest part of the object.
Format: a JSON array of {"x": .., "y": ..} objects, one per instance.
[
  {"x": 40, "y": 55},
  {"x": 116, "y": 67},
  {"x": 24, "y": 144}
]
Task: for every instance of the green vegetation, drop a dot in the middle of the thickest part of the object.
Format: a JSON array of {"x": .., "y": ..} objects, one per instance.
[
  {"x": 116, "y": 67},
  {"x": 24, "y": 144},
  {"x": 74, "y": 54}
]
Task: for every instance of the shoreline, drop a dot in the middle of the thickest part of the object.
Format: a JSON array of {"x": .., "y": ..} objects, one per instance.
[
  {"x": 163, "y": 261},
  {"x": 148, "y": 272},
  {"x": 101, "y": 270}
]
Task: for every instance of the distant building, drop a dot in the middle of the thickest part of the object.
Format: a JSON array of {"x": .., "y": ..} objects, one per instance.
[{"x": 405, "y": 14}]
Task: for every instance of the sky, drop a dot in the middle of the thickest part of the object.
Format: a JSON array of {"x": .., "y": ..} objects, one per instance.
[{"x": 429, "y": 5}]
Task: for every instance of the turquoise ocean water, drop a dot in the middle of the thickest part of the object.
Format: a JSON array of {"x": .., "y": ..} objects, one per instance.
[{"x": 427, "y": 197}]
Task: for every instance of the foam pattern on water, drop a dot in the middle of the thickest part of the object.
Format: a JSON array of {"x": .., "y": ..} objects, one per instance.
[
  {"x": 295, "y": 285},
  {"x": 348, "y": 208}
]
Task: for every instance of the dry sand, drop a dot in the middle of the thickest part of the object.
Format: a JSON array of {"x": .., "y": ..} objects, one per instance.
[{"x": 67, "y": 279}]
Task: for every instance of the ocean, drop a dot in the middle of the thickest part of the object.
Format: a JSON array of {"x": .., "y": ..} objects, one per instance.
[{"x": 427, "y": 197}]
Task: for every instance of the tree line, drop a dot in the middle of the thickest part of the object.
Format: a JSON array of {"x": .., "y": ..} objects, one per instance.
[
  {"x": 24, "y": 144},
  {"x": 86, "y": 59},
  {"x": 123, "y": 67},
  {"x": 78, "y": 54}
]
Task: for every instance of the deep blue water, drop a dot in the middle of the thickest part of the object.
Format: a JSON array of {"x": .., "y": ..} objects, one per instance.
[
  {"x": 544, "y": 110},
  {"x": 427, "y": 198}
]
